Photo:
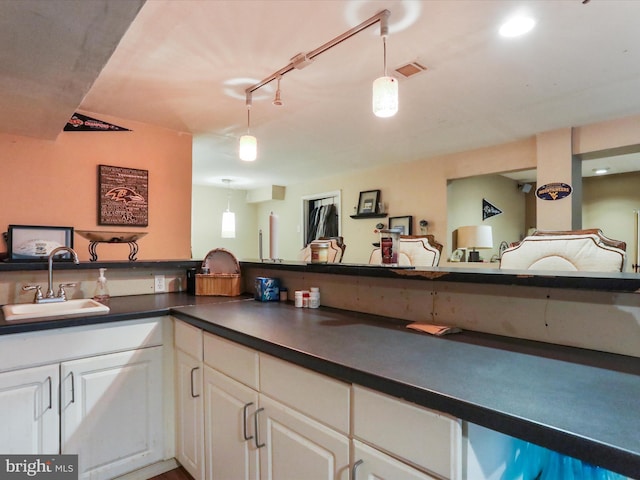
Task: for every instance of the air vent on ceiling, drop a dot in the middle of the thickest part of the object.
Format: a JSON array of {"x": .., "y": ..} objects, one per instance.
[{"x": 410, "y": 69}]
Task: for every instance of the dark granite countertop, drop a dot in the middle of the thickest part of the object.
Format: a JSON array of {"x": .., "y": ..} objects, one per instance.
[
  {"x": 579, "y": 402},
  {"x": 121, "y": 308}
]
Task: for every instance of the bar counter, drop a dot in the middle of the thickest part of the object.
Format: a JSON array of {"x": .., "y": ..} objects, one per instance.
[{"x": 581, "y": 403}]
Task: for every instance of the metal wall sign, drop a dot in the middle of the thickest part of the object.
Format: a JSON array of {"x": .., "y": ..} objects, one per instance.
[
  {"x": 123, "y": 196},
  {"x": 553, "y": 191}
]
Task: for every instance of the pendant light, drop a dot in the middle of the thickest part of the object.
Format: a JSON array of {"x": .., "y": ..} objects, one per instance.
[
  {"x": 385, "y": 88},
  {"x": 248, "y": 143},
  {"x": 228, "y": 217}
]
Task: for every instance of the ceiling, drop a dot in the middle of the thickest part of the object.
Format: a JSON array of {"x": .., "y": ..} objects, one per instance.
[{"x": 184, "y": 65}]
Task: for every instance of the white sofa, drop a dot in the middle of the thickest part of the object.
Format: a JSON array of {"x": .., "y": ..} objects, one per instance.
[
  {"x": 416, "y": 250},
  {"x": 577, "y": 250}
]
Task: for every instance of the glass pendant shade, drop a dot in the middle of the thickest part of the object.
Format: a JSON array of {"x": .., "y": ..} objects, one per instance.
[
  {"x": 228, "y": 225},
  {"x": 385, "y": 97},
  {"x": 248, "y": 148}
]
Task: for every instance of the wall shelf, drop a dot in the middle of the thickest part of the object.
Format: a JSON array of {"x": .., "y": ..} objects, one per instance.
[{"x": 369, "y": 215}]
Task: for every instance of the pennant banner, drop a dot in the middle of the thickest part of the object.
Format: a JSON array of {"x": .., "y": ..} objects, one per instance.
[
  {"x": 82, "y": 123},
  {"x": 489, "y": 210}
]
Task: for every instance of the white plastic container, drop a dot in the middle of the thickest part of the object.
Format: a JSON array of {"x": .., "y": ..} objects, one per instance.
[
  {"x": 314, "y": 297},
  {"x": 298, "y": 298}
]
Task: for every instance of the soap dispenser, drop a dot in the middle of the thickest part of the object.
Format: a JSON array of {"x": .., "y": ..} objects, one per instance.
[{"x": 101, "y": 293}]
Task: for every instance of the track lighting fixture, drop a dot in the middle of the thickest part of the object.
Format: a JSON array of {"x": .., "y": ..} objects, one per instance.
[{"x": 385, "y": 88}]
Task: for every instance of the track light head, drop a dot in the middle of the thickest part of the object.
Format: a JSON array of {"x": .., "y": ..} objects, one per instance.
[{"x": 277, "y": 101}]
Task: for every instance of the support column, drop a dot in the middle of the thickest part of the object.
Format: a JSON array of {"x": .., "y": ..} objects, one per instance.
[{"x": 557, "y": 165}]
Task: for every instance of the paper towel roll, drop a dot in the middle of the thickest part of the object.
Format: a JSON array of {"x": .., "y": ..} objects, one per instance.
[{"x": 273, "y": 236}]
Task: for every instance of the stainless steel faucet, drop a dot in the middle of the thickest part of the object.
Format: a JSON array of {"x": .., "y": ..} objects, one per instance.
[
  {"x": 61, "y": 294},
  {"x": 50, "y": 297}
]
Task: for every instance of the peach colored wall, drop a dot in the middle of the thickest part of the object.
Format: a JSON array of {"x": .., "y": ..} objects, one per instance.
[
  {"x": 55, "y": 183},
  {"x": 604, "y": 135}
]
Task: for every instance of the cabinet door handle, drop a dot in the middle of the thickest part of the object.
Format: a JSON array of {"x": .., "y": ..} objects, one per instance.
[
  {"x": 73, "y": 387},
  {"x": 354, "y": 470},
  {"x": 244, "y": 421},
  {"x": 193, "y": 394},
  {"x": 255, "y": 423},
  {"x": 50, "y": 393}
]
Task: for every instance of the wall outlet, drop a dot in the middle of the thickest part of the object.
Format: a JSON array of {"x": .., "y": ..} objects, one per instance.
[{"x": 158, "y": 284}]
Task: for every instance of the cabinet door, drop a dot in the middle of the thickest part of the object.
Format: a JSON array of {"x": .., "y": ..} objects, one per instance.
[
  {"x": 189, "y": 415},
  {"x": 230, "y": 448},
  {"x": 29, "y": 411},
  {"x": 297, "y": 447},
  {"x": 112, "y": 412},
  {"x": 370, "y": 463}
]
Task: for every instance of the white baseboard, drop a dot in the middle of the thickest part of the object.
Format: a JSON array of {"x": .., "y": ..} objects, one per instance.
[{"x": 151, "y": 471}]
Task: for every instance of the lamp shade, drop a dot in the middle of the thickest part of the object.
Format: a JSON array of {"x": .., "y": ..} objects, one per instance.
[
  {"x": 476, "y": 236},
  {"x": 385, "y": 96},
  {"x": 248, "y": 148},
  {"x": 228, "y": 225}
]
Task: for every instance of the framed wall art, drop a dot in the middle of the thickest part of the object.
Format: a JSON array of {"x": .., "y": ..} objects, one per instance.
[
  {"x": 404, "y": 224},
  {"x": 368, "y": 202},
  {"x": 123, "y": 196},
  {"x": 35, "y": 242}
]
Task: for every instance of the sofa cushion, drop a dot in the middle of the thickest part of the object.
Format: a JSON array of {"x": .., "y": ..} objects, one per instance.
[{"x": 565, "y": 251}]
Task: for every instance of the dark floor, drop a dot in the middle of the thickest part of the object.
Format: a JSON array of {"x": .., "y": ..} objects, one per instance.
[{"x": 175, "y": 474}]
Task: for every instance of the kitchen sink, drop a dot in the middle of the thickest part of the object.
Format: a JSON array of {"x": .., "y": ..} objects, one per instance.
[{"x": 20, "y": 311}]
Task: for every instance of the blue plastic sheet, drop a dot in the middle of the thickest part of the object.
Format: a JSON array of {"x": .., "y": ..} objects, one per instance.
[{"x": 531, "y": 462}]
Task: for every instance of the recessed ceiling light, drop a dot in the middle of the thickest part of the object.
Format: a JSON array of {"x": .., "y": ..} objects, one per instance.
[
  {"x": 517, "y": 26},
  {"x": 601, "y": 170}
]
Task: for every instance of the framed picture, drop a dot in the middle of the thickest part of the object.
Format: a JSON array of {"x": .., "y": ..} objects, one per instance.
[
  {"x": 34, "y": 242},
  {"x": 123, "y": 196},
  {"x": 404, "y": 224},
  {"x": 368, "y": 202},
  {"x": 457, "y": 255}
]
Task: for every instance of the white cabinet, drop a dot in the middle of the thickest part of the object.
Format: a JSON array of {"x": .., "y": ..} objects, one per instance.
[
  {"x": 189, "y": 399},
  {"x": 230, "y": 401},
  {"x": 29, "y": 411},
  {"x": 319, "y": 397},
  {"x": 296, "y": 447},
  {"x": 112, "y": 412},
  {"x": 429, "y": 440},
  {"x": 230, "y": 442},
  {"x": 373, "y": 464},
  {"x": 268, "y": 419},
  {"x": 96, "y": 391}
]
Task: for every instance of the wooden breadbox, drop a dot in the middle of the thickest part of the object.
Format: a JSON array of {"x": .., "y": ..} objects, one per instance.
[{"x": 223, "y": 278}]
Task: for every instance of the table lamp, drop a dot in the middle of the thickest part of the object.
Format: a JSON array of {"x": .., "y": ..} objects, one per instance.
[{"x": 474, "y": 237}]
